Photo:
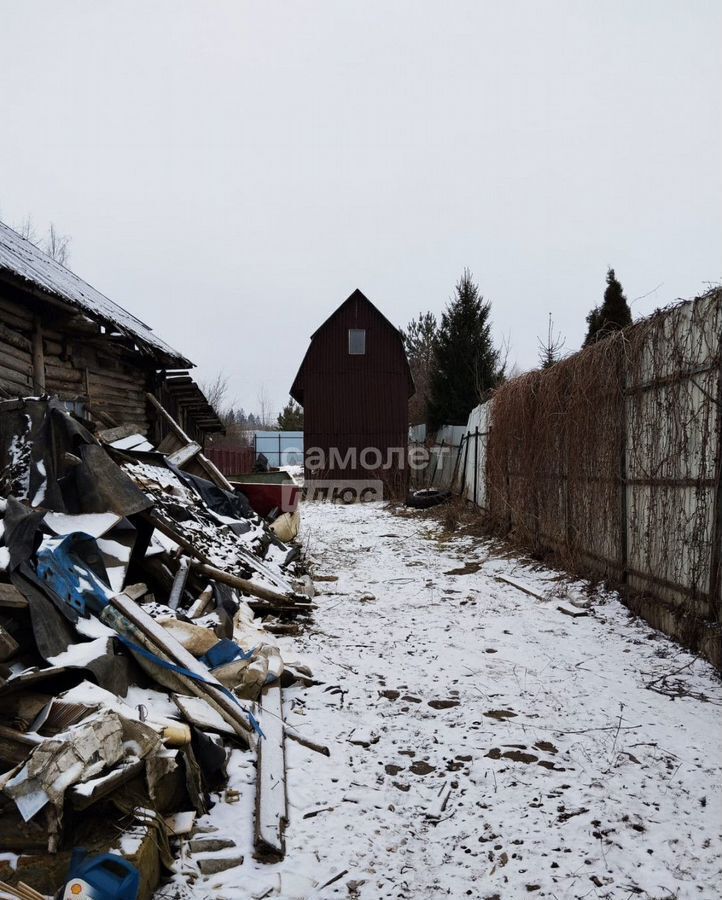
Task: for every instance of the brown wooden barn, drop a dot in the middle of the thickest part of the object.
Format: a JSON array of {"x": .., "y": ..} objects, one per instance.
[
  {"x": 60, "y": 336},
  {"x": 354, "y": 385}
]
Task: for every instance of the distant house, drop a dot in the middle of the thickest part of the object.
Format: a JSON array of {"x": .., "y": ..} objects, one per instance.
[
  {"x": 59, "y": 336},
  {"x": 354, "y": 385}
]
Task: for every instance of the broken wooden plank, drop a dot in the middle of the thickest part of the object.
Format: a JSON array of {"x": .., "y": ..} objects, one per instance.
[
  {"x": 275, "y": 609},
  {"x": 184, "y": 455},
  {"x": 520, "y": 587},
  {"x": 201, "y": 564},
  {"x": 201, "y": 604},
  {"x": 572, "y": 611},
  {"x": 151, "y": 636},
  {"x": 21, "y": 890},
  {"x": 306, "y": 742},
  {"x": 200, "y": 713},
  {"x": 243, "y": 584},
  {"x": 179, "y": 582},
  {"x": 271, "y": 800},
  {"x": 31, "y": 892},
  {"x": 292, "y": 628},
  {"x": 213, "y": 473}
]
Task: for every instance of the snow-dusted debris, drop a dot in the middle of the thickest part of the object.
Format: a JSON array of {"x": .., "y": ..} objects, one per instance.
[{"x": 483, "y": 743}]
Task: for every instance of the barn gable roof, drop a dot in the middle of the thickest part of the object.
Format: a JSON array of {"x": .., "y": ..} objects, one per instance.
[
  {"x": 297, "y": 387},
  {"x": 27, "y": 265}
]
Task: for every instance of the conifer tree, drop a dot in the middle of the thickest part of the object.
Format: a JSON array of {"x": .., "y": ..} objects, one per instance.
[
  {"x": 613, "y": 315},
  {"x": 466, "y": 364},
  {"x": 550, "y": 351}
]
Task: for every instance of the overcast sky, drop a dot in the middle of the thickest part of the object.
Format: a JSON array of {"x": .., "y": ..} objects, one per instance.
[{"x": 231, "y": 171}]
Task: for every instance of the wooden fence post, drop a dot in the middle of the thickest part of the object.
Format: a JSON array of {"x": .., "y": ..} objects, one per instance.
[
  {"x": 430, "y": 482},
  {"x": 455, "y": 470},
  {"x": 466, "y": 458}
]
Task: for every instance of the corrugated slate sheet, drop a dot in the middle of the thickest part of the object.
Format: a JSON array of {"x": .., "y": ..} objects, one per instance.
[{"x": 26, "y": 262}]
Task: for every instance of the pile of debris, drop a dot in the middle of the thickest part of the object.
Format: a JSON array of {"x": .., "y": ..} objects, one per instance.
[{"x": 139, "y": 596}]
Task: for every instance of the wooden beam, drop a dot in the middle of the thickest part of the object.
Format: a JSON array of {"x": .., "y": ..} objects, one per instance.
[
  {"x": 179, "y": 582},
  {"x": 213, "y": 473},
  {"x": 306, "y": 742},
  {"x": 201, "y": 565},
  {"x": 249, "y": 587},
  {"x": 271, "y": 799},
  {"x": 121, "y": 611}
]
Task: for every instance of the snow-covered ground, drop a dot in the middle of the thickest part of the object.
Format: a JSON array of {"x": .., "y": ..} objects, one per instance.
[{"x": 483, "y": 743}]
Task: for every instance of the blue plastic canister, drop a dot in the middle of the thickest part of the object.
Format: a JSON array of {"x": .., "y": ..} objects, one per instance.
[{"x": 106, "y": 877}]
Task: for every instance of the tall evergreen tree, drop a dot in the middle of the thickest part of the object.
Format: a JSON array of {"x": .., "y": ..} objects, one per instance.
[
  {"x": 466, "y": 364},
  {"x": 419, "y": 342},
  {"x": 613, "y": 315}
]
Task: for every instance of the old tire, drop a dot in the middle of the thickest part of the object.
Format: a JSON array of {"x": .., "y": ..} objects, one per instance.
[{"x": 426, "y": 499}]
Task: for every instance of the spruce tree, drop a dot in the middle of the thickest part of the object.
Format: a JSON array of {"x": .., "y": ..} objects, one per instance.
[
  {"x": 613, "y": 315},
  {"x": 466, "y": 364},
  {"x": 550, "y": 351}
]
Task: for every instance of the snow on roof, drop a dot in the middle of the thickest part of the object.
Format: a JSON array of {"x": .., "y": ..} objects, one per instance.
[{"x": 25, "y": 261}]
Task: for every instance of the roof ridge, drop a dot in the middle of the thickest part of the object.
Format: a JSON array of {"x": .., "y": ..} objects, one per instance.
[{"x": 23, "y": 259}]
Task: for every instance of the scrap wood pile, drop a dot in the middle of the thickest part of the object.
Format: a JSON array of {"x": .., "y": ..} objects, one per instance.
[{"x": 138, "y": 602}]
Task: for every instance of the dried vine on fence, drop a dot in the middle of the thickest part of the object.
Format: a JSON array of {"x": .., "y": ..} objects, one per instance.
[{"x": 610, "y": 457}]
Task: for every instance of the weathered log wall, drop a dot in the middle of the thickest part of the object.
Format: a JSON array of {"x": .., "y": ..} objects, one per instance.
[{"x": 46, "y": 349}]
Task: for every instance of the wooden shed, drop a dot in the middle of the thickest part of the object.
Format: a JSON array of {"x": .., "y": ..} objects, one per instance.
[
  {"x": 60, "y": 336},
  {"x": 354, "y": 385}
]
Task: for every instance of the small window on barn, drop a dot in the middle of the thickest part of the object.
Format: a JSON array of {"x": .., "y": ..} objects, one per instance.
[{"x": 357, "y": 341}]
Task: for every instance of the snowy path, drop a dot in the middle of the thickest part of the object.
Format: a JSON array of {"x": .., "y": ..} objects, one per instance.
[{"x": 569, "y": 774}]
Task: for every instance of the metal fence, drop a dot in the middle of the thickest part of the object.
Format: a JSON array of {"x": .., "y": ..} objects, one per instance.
[
  {"x": 612, "y": 459},
  {"x": 434, "y": 463},
  {"x": 281, "y": 448}
]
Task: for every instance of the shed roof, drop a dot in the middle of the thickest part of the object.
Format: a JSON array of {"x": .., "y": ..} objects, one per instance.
[
  {"x": 358, "y": 295},
  {"x": 297, "y": 386},
  {"x": 27, "y": 264}
]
